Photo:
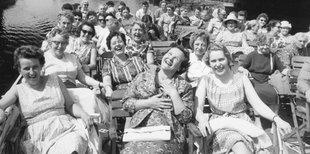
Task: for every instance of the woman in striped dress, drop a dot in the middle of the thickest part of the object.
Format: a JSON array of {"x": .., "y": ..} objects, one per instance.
[
  {"x": 118, "y": 71},
  {"x": 226, "y": 93}
]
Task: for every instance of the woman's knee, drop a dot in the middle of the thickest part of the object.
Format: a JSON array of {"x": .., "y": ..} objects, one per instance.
[{"x": 241, "y": 148}]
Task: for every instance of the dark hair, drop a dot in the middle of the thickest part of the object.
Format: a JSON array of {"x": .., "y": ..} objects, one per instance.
[
  {"x": 217, "y": 47},
  {"x": 89, "y": 24},
  {"x": 75, "y": 13},
  {"x": 199, "y": 34},
  {"x": 67, "y": 6},
  {"x": 185, "y": 63},
  {"x": 145, "y": 3},
  {"x": 109, "y": 14},
  {"x": 122, "y": 3},
  {"x": 147, "y": 19},
  {"x": 198, "y": 8},
  {"x": 28, "y": 52},
  {"x": 126, "y": 8},
  {"x": 111, "y": 35},
  {"x": 171, "y": 6},
  {"x": 272, "y": 23},
  {"x": 242, "y": 13},
  {"x": 75, "y": 6},
  {"x": 263, "y": 15},
  {"x": 110, "y": 3},
  {"x": 91, "y": 13}
]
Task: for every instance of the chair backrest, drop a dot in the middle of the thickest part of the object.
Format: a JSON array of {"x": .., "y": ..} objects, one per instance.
[
  {"x": 297, "y": 64},
  {"x": 160, "y": 48}
]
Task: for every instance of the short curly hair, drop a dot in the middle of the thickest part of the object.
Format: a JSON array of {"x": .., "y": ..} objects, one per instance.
[
  {"x": 185, "y": 63},
  {"x": 66, "y": 14},
  {"x": 217, "y": 47},
  {"x": 89, "y": 24},
  {"x": 28, "y": 52},
  {"x": 199, "y": 34},
  {"x": 111, "y": 35}
]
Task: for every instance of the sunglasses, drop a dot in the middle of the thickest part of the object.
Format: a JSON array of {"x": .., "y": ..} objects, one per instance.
[
  {"x": 57, "y": 43},
  {"x": 77, "y": 19},
  {"x": 87, "y": 32}
]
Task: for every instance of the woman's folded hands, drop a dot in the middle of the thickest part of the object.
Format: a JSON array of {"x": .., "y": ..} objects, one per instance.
[{"x": 158, "y": 103}]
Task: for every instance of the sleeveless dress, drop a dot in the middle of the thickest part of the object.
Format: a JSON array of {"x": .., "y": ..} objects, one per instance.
[
  {"x": 50, "y": 129},
  {"x": 228, "y": 101}
]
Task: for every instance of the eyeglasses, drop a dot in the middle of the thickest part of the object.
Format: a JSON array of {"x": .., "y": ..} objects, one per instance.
[
  {"x": 77, "y": 19},
  {"x": 57, "y": 43},
  {"x": 87, "y": 32}
]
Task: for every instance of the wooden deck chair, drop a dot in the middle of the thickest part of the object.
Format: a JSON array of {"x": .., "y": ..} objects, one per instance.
[
  {"x": 298, "y": 110},
  {"x": 160, "y": 48},
  {"x": 116, "y": 106},
  {"x": 11, "y": 129}
]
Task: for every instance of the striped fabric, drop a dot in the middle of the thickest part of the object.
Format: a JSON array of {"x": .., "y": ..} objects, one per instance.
[{"x": 123, "y": 73}]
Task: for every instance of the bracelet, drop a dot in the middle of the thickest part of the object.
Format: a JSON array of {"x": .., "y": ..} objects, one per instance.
[{"x": 274, "y": 117}]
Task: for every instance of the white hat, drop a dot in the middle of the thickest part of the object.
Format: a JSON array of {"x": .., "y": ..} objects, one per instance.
[
  {"x": 286, "y": 24},
  {"x": 231, "y": 17}
]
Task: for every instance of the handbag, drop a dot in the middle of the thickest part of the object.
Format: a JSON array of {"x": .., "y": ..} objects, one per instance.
[{"x": 152, "y": 133}]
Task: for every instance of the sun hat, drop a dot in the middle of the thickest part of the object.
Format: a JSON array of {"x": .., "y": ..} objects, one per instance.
[
  {"x": 231, "y": 17},
  {"x": 285, "y": 24}
]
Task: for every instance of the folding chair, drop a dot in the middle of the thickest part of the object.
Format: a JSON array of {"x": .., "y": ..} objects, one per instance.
[
  {"x": 116, "y": 106},
  {"x": 11, "y": 128},
  {"x": 298, "y": 110}
]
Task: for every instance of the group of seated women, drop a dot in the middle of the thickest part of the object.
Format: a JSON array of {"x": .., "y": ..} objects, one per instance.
[
  {"x": 171, "y": 93},
  {"x": 156, "y": 96}
]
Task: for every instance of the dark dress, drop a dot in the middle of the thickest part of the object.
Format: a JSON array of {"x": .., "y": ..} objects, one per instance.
[{"x": 261, "y": 66}]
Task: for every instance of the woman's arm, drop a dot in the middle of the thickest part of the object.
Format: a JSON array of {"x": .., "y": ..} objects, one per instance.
[
  {"x": 150, "y": 58},
  {"x": 93, "y": 59},
  {"x": 107, "y": 84},
  {"x": 9, "y": 98},
  {"x": 74, "y": 109},
  {"x": 255, "y": 101},
  {"x": 243, "y": 39},
  {"x": 83, "y": 78},
  {"x": 262, "y": 109},
  {"x": 200, "y": 97}
]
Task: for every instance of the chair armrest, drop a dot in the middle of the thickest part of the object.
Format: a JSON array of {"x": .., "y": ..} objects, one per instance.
[
  {"x": 12, "y": 113},
  {"x": 194, "y": 130}
]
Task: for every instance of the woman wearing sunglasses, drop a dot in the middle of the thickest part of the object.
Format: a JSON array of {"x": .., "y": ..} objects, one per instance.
[
  {"x": 83, "y": 46},
  {"x": 262, "y": 20}
]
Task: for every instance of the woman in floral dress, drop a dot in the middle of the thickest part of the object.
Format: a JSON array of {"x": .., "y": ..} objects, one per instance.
[
  {"x": 138, "y": 44},
  {"x": 161, "y": 97}
]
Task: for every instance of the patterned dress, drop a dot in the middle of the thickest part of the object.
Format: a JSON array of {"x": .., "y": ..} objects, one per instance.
[
  {"x": 228, "y": 101},
  {"x": 233, "y": 42},
  {"x": 50, "y": 129},
  {"x": 122, "y": 74},
  {"x": 144, "y": 86},
  {"x": 133, "y": 49},
  {"x": 82, "y": 51}
]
